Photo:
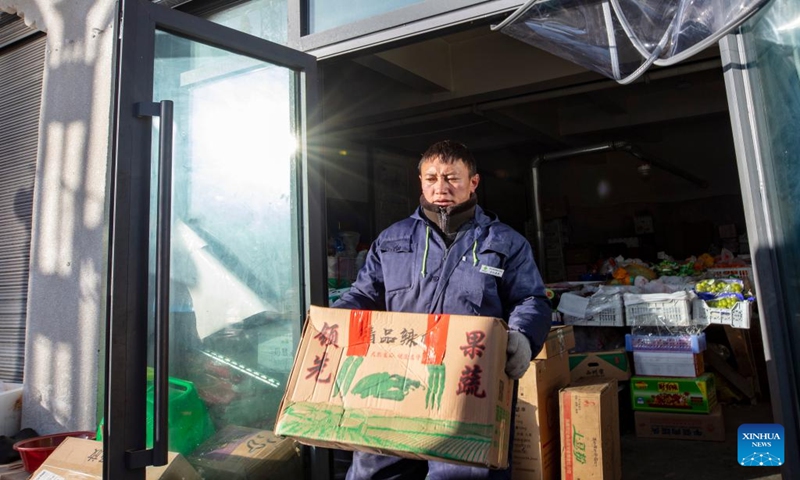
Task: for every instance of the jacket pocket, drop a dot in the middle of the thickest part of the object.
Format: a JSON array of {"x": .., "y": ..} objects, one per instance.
[
  {"x": 397, "y": 264},
  {"x": 473, "y": 286},
  {"x": 481, "y": 280}
]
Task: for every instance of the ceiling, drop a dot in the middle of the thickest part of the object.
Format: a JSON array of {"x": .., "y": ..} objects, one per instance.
[{"x": 494, "y": 92}]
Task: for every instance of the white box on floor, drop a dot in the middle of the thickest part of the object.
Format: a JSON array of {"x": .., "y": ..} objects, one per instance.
[
  {"x": 10, "y": 408},
  {"x": 668, "y": 364}
]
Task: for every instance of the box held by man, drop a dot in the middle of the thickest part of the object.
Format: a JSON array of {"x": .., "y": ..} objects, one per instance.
[{"x": 418, "y": 386}]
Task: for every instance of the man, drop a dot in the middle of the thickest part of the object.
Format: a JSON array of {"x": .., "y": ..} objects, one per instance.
[{"x": 451, "y": 257}]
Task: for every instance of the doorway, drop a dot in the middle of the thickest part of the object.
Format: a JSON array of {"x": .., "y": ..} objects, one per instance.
[{"x": 511, "y": 104}]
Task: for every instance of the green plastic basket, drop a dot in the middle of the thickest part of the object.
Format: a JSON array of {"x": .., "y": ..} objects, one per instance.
[{"x": 188, "y": 422}]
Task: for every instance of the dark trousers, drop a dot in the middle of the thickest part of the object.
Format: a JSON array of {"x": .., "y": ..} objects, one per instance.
[
  {"x": 382, "y": 467},
  {"x": 368, "y": 466}
]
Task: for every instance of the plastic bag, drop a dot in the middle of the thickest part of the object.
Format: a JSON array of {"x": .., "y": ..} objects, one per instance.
[{"x": 621, "y": 39}]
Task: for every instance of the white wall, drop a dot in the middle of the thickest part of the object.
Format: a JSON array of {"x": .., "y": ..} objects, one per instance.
[{"x": 66, "y": 306}]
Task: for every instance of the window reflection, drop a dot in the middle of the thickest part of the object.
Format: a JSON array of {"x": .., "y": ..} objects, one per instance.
[
  {"x": 326, "y": 14},
  {"x": 235, "y": 306},
  {"x": 267, "y": 19},
  {"x": 773, "y": 51}
]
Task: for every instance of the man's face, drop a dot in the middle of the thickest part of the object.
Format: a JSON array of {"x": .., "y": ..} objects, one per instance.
[{"x": 446, "y": 184}]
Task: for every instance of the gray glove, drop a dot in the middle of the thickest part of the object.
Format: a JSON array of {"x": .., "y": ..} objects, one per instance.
[{"x": 519, "y": 355}]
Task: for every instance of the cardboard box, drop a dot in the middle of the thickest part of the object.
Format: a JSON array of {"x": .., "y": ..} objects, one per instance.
[
  {"x": 665, "y": 343},
  {"x": 710, "y": 427},
  {"x": 668, "y": 364},
  {"x": 432, "y": 387},
  {"x": 560, "y": 339},
  {"x": 78, "y": 458},
  {"x": 536, "y": 439},
  {"x": 600, "y": 365},
  {"x": 590, "y": 443},
  {"x": 674, "y": 394},
  {"x": 239, "y": 453}
]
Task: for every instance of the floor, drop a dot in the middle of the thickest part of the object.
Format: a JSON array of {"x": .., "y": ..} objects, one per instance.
[
  {"x": 654, "y": 459},
  {"x": 651, "y": 459}
]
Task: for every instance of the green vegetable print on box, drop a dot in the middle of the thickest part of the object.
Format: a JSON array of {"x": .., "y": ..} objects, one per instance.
[{"x": 386, "y": 386}]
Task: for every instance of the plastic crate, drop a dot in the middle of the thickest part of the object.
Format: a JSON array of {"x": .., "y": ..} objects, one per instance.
[
  {"x": 745, "y": 273},
  {"x": 736, "y": 317},
  {"x": 673, "y": 309},
  {"x": 611, "y": 316},
  {"x": 665, "y": 343}
]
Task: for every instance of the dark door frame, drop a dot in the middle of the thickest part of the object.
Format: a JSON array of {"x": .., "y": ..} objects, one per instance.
[{"x": 125, "y": 453}]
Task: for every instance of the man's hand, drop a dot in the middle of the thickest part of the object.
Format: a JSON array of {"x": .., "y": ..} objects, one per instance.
[{"x": 519, "y": 355}]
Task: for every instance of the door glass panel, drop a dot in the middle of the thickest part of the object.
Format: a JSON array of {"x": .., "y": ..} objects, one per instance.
[
  {"x": 235, "y": 296},
  {"x": 773, "y": 49},
  {"x": 267, "y": 19},
  {"x": 325, "y": 14}
]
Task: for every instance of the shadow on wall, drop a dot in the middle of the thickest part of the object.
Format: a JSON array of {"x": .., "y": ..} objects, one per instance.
[{"x": 68, "y": 252}]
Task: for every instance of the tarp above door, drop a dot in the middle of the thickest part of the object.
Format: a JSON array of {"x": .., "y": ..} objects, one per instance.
[{"x": 622, "y": 38}]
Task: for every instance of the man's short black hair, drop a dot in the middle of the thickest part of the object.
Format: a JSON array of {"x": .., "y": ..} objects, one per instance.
[{"x": 448, "y": 151}]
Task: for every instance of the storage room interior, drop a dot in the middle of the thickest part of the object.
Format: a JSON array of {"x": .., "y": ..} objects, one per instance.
[{"x": 652, "y": 169}]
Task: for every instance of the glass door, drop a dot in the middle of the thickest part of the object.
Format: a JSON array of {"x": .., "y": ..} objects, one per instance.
[
  {"x": 762, "y": 69},
  {"x": 217, "y": 245}
]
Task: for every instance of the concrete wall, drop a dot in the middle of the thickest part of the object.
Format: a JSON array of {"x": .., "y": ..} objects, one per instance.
[{"x": 66, "y": 298}]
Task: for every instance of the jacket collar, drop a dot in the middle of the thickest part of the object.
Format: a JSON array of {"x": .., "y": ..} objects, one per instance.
[
  {"x": 483, "y": 217},
  {"x": 449, "y": 219}
]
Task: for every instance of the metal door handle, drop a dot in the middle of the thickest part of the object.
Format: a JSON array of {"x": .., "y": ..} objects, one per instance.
[{"x": 163, "y": 109}]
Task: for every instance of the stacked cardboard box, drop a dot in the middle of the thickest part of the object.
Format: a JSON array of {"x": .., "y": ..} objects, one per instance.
[
  {"x": 674, "y": 394},
  {"x": 536, "y": 439},
  {"x": 667, "y": 355},
  {"x": 680, "y": 426},
  {"x": 669, "y": 384},
  {"x": 590, "y": 443},
  {"x": 603, "y": 365}
]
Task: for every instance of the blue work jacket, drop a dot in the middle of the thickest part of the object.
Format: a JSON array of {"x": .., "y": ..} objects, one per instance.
[{"x": 488, "y": 271}]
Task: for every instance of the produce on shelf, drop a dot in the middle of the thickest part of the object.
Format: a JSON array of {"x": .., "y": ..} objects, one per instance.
[
  {"x": 717, "y": 286},
  {"x": 721, "y": 292},
  {"x": 725, "y": 302},
  {"x": 703, "y": 262}
]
